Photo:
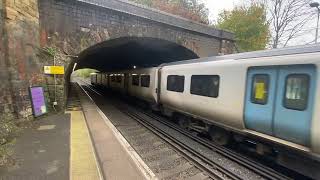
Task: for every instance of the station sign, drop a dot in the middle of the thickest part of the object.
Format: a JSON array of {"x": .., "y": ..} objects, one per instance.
[
  {"x": 38, "y": 102},
  {"x": 54, "y": 70}
]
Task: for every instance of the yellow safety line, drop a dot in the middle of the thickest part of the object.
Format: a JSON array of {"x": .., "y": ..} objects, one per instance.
[{"x": 83, "y": 163}]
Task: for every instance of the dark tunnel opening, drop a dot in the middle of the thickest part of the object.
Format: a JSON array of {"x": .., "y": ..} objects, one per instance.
[
  {"x": 123, "y": 53},
  {"x": 126, "y": 52}
]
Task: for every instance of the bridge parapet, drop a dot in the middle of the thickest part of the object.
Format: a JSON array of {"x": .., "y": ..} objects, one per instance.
[{"x": 161, "y": 17}]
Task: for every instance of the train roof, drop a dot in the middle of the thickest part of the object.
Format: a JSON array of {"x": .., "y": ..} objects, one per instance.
[{"x": 255, "y": 54}]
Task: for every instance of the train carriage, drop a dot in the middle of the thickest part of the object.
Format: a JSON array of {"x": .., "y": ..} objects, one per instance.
[
  {"x": 268, "y": 97},
  {"x": 271, "y": 97},
  {"x": 93, "y": 78},
  {"x": 142, "y": 84},
  {"x": 117, "y": 81},
  {"x": 99, "y": 79},
  {"x": 105, "y": 80}
]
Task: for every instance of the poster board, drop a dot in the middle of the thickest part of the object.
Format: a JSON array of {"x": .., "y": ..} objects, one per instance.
[{"x": 39, "y": 106}]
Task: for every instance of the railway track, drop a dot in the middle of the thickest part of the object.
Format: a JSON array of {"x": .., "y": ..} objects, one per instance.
[
  {"x": 212, "y": 169},
  {"x": 150, "y": 147},
  {"x": 192, "y": 155},
  {"x": 258, "y": 168}
]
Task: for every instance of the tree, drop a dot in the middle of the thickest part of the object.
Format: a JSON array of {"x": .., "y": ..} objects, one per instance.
[
  {"x": 189, "y": 9},
  {"x": 288, "y": 19},
  {"x": 249, "y": 24}
]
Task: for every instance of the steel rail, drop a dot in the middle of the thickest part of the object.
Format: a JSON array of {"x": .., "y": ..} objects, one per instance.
[
  {"x": 261, "y": 170},
  {"x": 188, "y": 152}
]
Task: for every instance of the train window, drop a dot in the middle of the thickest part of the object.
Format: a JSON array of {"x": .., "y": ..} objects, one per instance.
[
  {"x": 145, "y": 80},
  {"x": 205, "y": 85},
  {"x": 118, "y": 78},
  {"x": 135, "y": 80},
  {"x": 175, "y": 83},
  {"x": 296, "y": 93},
  {"x": 260, "y": 89}
]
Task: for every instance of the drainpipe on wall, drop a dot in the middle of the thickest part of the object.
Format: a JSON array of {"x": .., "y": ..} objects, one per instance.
[{"x": 55, "y": 103}]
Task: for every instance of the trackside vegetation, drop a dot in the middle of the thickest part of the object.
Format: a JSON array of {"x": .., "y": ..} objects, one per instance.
[
  {"x": 249, "y": 25},
  {"x": 9, "y": 130}
]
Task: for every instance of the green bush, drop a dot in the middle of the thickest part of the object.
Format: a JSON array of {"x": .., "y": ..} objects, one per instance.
[{"x": 8, "y": 133}]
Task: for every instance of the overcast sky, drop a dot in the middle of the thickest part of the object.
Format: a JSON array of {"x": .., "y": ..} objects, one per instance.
[{"x": 216, "y": 6}]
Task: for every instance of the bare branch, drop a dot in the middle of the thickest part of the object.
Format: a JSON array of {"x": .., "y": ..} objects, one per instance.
[{"x": 287, "y": 19}]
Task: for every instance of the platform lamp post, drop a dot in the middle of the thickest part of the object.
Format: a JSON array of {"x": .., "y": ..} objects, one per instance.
[{"x": 316, "y": 5}]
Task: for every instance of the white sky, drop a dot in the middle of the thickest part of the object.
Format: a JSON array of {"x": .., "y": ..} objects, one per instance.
[{"x": 216, "y": 6}]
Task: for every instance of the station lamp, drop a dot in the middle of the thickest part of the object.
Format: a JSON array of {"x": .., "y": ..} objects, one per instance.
[{"x": 316, "y": 5}]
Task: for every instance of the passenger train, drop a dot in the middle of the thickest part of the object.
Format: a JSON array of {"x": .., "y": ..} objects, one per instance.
[{"x": 271, "y": 98}]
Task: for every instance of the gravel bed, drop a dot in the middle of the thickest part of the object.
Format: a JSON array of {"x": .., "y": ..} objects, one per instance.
[
  {"x": 142, "y": 136},
  {"x": 159, "y": 156},
  {"x": 241, "y": 171},
  {"x": 151, "y": 148},
  {"x": 134, "y": 132},
  {"x": 170, "y": 165},
  {"x": 128, "y": 127},
  {"x": 184, "y": 174},
  {"x": 143, "y": 141}
]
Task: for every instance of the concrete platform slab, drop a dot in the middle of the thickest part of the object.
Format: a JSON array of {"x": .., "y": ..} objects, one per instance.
[
  {"x": 80, "y": 144},
  {"x": 42, "y": 151},
  {"x": 115, "y": 155}
]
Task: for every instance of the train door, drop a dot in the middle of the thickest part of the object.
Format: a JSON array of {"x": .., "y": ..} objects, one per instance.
[
  {"x": 93, "y": 79},
  {"x": 261, "y": 87},
  {"x": 98, "y": 79},
  {"x": 283, "y": 106},
  {"x": 158, "y": 84},
  {"x": 294, "y": 103}
]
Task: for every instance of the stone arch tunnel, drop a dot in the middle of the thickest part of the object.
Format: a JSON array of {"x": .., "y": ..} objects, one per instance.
[
  {"x": 126, "y": 52},
  {"x": 104, "y": 35}
]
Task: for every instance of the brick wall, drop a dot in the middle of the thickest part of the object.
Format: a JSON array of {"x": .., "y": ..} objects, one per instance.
[
  {"x": 21, "y": 26},
  {"x": 80, "y": 24},
  {"x": 6, "y": 106}
]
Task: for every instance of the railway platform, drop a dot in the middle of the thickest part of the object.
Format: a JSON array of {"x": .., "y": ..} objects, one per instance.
[{"x": 78, "y": 144}]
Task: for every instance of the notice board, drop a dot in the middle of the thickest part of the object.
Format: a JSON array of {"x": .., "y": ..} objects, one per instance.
[
  {"x": 54, "y": 70},
  {"x": 39, "y": 106}
]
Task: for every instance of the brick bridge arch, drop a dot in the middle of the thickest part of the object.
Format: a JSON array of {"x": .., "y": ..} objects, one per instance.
[{"x": 124, "y": 52}]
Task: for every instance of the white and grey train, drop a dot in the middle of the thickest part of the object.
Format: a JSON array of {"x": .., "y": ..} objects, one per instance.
[{"x": 271, "y": 98}]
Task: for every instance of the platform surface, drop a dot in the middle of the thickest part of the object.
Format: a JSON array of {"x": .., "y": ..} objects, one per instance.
[
  {"x": 113, "y": 157},
  {"x": 77, "y": 144},
  {"x": 42, "y": 151}
]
